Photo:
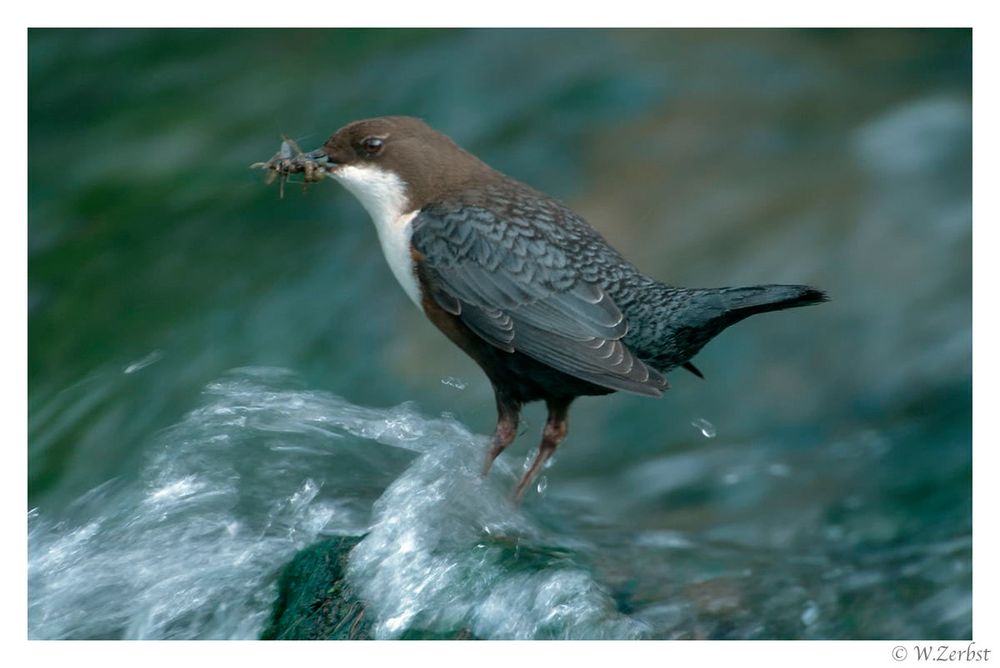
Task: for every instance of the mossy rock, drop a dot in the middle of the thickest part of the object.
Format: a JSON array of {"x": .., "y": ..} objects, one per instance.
[{"x": 316, "y": 603}]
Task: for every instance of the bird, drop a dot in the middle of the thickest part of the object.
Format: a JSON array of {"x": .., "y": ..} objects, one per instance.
[{"x": 521, "y": 283}]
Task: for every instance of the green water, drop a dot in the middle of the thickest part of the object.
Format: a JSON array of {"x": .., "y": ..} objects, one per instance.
[{"x": 838, "y": 484}]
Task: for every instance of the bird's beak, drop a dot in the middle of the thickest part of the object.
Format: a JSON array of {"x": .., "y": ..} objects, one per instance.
[{"x": 319, "y": 156}]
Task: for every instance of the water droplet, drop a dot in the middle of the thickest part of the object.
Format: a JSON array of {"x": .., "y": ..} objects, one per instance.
[
  {"x": 543, "y": 484},
  {"x": 451, "y": 381},
  {"x": 706, "y": 428},
  {"x": 140, "y": 364},
  {"x": 811, "y": 614},
  {"x": 779, "y": 470},
  {"x": 549, "y": 463}
]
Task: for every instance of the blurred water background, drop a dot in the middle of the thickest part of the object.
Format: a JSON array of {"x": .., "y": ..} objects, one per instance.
[{"x": 219, "y": 378}]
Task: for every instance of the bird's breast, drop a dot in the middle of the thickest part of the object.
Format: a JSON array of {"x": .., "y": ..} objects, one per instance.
[
  {"x": 394, "y": 235},
  {"x": 384, "y": 196}
]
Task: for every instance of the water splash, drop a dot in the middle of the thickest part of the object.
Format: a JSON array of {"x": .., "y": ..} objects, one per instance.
[
  {"x": 448, "y": 550},
  {"x": 140, "y": 364},
  {"x": 263, "y": 469},
  {"x": 189, "y": 549},
  {"x": 543, "y": 484},
  {"x": 706, "y": 428},
  {"x": 451, "y": 381}
]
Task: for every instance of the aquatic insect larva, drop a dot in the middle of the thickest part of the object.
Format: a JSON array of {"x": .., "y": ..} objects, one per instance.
[{"x": 290, "y": 160}]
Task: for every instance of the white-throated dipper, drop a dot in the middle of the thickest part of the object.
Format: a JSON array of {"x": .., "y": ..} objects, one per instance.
[{"x": 522, "y": 284}]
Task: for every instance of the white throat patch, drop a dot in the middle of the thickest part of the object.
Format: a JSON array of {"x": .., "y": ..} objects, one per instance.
[{"x": 383, "y": 195}]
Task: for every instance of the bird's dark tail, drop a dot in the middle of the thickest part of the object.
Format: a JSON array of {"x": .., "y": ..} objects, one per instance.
[
  {"x": 740, "y": 303},
  {"x": 696, "y": 316}
]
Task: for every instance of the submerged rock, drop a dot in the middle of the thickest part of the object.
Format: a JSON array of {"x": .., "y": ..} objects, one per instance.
[{"x": 315, "y": 602}]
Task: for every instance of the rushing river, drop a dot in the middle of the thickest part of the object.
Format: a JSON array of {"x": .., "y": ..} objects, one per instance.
[{"x": 219, "y": 378}]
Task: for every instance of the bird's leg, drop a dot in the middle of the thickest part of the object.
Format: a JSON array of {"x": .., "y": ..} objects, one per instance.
[
  {"x": 508, "y": 414},
  {"x": 552, "y": 435}
]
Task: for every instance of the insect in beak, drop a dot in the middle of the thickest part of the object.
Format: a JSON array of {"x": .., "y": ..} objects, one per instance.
[{"x": 291, "y": 160}]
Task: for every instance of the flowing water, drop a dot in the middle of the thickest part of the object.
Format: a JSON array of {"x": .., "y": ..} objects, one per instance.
[{"x": 219, "y": 378}]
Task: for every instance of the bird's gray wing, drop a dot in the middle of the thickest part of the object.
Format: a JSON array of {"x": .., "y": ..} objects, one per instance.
[{"x": 518, "y": 290}]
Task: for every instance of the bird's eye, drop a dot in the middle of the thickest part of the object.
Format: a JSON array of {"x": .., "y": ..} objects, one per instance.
[{"x": 372, "y": 145}]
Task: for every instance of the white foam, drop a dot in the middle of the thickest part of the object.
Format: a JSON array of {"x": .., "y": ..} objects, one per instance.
[{"x": 264, "y": 469}]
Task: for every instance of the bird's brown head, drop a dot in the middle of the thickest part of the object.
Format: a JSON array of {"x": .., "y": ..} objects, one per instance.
[{"x": 386, "y": 158}]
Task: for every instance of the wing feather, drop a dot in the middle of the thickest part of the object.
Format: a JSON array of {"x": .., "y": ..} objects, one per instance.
[{"x": 521, "y": 293}]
